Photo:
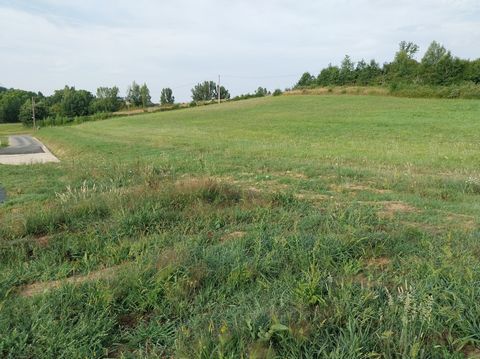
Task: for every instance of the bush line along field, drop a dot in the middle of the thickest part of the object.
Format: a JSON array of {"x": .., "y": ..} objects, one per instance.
[{"x": 279, "y": 227}]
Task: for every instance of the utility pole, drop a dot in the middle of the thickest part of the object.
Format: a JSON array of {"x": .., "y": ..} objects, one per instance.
[
  {"x": 33, "y": 113},
  {"x": 218, "y": 89}
]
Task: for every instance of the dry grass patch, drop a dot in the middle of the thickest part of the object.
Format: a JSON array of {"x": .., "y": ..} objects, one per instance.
[
  {"x": 425, "y": 227},
  {"x": 471, "y": 352},
  {"x": 170, "y": 257},
  {"x": 233, "y": 235},
  {"x": 357, "y": 187},
  {"x": 463, "y": 221},
  {"x": 340, "y": 90},
  {"x": 379, "y": 262},
  {"x": 42, "y": 287},
  {"x": 390, "y": 208},
  {"x": 316, "y": 197}
]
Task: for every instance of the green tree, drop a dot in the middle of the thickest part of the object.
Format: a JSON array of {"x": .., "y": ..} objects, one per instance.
[
  {"x": 367, "y": 73},
  {"x": 430, "y": 62},
  {"x": 10, "y": 103},
  {"x": 224, "y": 94},
  {"x": 329, "y": 76},
  {"x": 145, "y": 97},
  {"x": 166, "y": 97},
  {"x": 347, "y": 71},
  {"x": 404, "y": 67},
  {"x": 107, "y": 100},
  {"x": 134, "y": 96},
  {"x": 26, "y": 112},
  {"x": 75, "y": 102},
  {"x": 472, "y": 72},
  {"x": 306, "y": 80},
  {"x": 204, "y": 91},
  {"x": 261, "y": 92}
]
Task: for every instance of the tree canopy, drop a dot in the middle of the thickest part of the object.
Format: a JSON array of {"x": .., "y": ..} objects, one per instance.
[
  {"x": 437, "y": 67},
  {"x": 166, "y": 97},
  {"x": 207, "y": 91}
]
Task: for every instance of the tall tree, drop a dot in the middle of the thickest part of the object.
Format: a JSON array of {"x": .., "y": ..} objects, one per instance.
[
  {"x": 262, "y": 91},
  {"x": 224, "y": 94},
  {"x": 329, "y": 76},
  {"x": 145, "y": 97},
  {"x": 404, "y": 67},
  {"x": 306, "y": 80},
  {"x": 166, "y": 97},
  {"x": 10, "y": 103},
  {"x": 473, "y": 71},
  {"x": 347, "y": 71},
  {"x": 204, "y": 91},
  {"x": 26, "y": 111},
  {"x": 134, "y": 96},
  {"x": 439, "y": 67},
  {"x": 75, "y": 102},
  {"x": 107, "y": 100}
]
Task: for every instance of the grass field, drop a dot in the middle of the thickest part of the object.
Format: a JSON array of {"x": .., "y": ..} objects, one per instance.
[{"x": 285, "y": 227}]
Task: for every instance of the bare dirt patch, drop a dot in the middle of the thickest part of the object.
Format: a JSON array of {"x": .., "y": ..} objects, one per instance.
[
  {"x": 42, "y": 241},
  {"x": 192, "y": 184},
  {"x": 312, "y": 196},
  {"x": 380, "y": 262},
  {"x": 461, "y": 220},
  {"x": 358, "y": 187},
  {"x": 297, "y": 175},
  {"x": 471, "y": 352},
  {"x": 390, "y": 208},
  {"x": 42, "y": 287},
  {"x": 233, "y": 235}
]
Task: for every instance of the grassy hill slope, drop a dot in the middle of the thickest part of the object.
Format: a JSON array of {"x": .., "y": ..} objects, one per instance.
[{"x": 309, "y": 226}]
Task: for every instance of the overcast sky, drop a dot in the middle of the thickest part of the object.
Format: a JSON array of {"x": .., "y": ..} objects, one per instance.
[{"x": 46, "y": 44}]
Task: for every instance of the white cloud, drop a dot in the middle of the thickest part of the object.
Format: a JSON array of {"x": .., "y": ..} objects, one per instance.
[{"x": 47, "y": 44}]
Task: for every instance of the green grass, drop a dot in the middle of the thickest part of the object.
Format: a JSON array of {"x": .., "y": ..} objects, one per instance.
[{"x": 294, "y": 226}]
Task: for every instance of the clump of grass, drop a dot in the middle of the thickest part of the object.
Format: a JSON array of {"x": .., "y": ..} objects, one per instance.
[{"x": 62, "y": 218}]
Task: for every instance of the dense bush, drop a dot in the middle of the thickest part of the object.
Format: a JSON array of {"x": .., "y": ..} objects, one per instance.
[{"x": 260, "y": 92}]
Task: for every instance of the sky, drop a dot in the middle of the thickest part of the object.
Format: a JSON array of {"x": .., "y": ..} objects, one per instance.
[{"x": 47, "y": 44}]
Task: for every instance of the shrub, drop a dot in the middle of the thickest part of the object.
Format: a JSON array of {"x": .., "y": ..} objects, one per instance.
[{"x": 277, "y": 92}]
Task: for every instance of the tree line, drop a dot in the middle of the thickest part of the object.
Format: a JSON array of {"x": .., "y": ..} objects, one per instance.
[
  {"x": 437, "y": 67},
  {"x": 69, "y": 103}
]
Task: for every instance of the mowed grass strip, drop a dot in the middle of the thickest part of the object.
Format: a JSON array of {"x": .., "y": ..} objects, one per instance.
[{"x": 302, "y": 226}]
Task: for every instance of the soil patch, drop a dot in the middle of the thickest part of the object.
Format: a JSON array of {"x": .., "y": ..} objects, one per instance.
[
  {"x": 378, "y": 262},
  {"x": 232, "y": 235},
  {"x": 393, "y": 207},
  {"x": 42, "y": 287}
]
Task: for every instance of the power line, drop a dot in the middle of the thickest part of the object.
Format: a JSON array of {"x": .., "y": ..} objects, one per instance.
[
  {"x": 241, "y": 77},
  {"x": 259, "y": 77}
]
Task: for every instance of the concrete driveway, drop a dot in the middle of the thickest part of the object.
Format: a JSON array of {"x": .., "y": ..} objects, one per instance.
[{"x": 24, "y": 149}]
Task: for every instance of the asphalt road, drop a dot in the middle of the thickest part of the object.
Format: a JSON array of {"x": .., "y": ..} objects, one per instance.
[{"x": 22, "y": 145}]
